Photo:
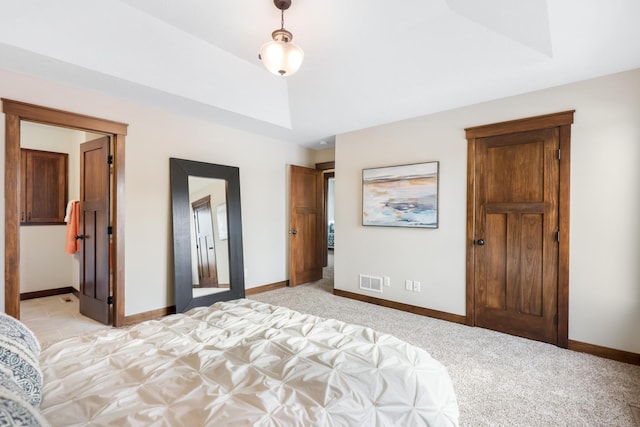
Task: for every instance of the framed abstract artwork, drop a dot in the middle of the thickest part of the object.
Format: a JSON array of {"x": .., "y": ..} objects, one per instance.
[{"x": 401, "y": 196}]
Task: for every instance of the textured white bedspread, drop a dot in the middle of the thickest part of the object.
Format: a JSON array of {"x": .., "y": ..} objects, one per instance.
[{"x": 244, "y": 363}]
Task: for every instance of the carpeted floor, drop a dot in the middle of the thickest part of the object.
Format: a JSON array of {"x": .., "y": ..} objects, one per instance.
[{"x": 500, "y": 380}]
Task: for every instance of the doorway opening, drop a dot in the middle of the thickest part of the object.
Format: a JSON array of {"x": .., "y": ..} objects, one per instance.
[
  {"x": 330, "y": 207},
  {"x": 309, "y": 226},
  {"x": 50, "y": 259},
  {"x": 17, "y": 112},
  {"x": 329, "y": 232}
]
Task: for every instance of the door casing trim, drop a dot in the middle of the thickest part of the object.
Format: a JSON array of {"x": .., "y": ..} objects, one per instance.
[
  {"x": 15, "y": 112},
  {"x": 562, "y": 121}
]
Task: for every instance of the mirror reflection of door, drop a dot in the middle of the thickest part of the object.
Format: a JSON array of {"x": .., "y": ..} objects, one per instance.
[
  {"x": 205, "y": 243},
  {"x": 209, "y": 240}
]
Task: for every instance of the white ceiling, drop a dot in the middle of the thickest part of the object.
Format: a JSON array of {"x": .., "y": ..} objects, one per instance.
[{"x": 367, "y": 62}]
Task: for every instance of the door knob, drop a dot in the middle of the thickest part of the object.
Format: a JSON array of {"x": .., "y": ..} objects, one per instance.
[
  {"x": 79, "y": 237},
  {"x": 480, "y": 242},
  {"x": 293, "y": 231}
]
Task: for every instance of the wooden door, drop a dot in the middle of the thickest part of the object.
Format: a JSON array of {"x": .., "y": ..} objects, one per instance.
[
  {"x": 306, "y": 213},
  {"x": 94, "y": 226},
  {"x": 205, "y": 243},
  {"x": 516, "y": 239}
]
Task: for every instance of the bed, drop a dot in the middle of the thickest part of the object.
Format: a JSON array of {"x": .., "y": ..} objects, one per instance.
[{"x": 243, "y": 363}]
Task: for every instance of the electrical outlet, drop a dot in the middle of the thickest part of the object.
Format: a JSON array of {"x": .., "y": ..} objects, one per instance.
[
  {"x": 416, "y": 286},
  {"x": 387, "y": 281},
  {"x": 408, "y": 285}
]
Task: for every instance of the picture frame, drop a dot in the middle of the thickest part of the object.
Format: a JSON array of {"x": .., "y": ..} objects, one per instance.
[{"x": 401, "y": 196}]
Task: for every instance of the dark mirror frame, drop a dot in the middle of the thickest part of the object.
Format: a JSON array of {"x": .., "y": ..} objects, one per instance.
[{"x": 180, "y": 170}]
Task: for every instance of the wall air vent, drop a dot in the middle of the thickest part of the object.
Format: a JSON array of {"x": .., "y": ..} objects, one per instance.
[{"x": 371, "y": 283}]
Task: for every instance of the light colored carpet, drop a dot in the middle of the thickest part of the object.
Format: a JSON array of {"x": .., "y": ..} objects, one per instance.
[{"x": 500, "y": 380}]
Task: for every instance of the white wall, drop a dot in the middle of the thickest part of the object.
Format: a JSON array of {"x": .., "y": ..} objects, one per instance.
[
  {"x": 326, "y": 155},
  {"x": 153, "y": 137},
  {"x": 604, "y": 295}
]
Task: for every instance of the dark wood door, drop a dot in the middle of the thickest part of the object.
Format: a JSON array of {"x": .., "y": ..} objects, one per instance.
[
  {"x": 94, "y": 225},
  {"x": 517, "y": 234},
  {"x": 205, "y": 243},
  {"x": 306, "y": 213}
]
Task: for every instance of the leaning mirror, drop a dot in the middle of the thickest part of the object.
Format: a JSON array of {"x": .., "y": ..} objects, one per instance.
[{"x": 207, "y": 233}]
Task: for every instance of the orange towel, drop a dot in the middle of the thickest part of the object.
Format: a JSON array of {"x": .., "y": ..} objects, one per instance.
[{"x": 72, "y": 244}]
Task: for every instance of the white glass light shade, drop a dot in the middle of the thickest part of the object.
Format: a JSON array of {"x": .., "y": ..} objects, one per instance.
[{"x": 281, "y": 58}]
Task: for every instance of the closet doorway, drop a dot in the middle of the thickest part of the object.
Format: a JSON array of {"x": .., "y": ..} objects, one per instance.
[{"x": 15, "y": 114}]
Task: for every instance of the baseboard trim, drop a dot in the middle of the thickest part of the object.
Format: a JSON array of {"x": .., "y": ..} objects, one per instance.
[
  {"x": 47, "y": 293},
  {"x": 161, "y": 312},
  {"x": 266, "y": 288},
  {"x": 607, "y": 353},
  {"x": 149, "y": 315},
  {"x": 442, "y": 315}
]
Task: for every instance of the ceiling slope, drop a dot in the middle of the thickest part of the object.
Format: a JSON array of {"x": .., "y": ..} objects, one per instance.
[{"x": 365, "y": 63}]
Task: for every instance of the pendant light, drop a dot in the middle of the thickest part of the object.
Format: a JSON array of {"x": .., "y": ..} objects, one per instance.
[{"x": 281, "y": 56}]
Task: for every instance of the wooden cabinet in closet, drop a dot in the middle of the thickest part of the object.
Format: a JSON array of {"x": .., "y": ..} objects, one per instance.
[{"x": 43, "y": 187}]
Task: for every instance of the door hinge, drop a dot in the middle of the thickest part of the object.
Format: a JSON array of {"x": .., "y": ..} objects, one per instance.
[
  {"x": 559, "y": 154},
  {"x": 110, "y": 300},
  {"x": 555, "y": 319},
  {"x": 110, "y": 159},
  {"x": 109, "y": 230},
  {"x": 558, "y": 236}
]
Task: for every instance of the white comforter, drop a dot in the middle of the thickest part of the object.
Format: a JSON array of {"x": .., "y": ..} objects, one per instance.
[{"x": 244, "y": 363}]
